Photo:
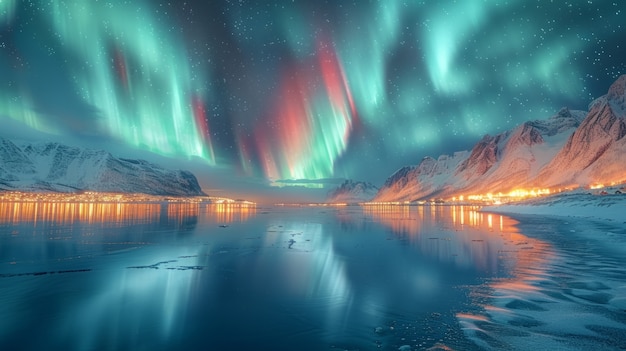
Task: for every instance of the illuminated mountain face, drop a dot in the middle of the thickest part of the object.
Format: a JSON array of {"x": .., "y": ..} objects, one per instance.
[
  {"x": 568, "y": 150},
  {"x": 594, "y": 153},
  {"x": 352, "y": 192}
]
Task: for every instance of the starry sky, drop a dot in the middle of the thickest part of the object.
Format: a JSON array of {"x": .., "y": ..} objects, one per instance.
[{"x": 283, "y": 97}]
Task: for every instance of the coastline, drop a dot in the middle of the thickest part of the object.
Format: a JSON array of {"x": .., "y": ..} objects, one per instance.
[
  {"x": 598, "y": 219},
  {"x": 573, "y": 267},
  {"x": 609, "y": 208}
]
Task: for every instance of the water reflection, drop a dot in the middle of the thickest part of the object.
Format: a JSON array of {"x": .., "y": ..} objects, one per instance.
[
  {"x": 230, "y": 212},
  {"x": 458, "y": 234},
  {"x": 122, "y": 213},
  {"x": 119, "y": 272},
  {"x": 69, "y": 212},
  {"x": 122, "y": 307},
  {"x": 409, "y": 219},
  {"x": 165, "y": 276}
]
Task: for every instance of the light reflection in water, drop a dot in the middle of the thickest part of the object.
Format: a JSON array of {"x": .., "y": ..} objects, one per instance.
[
  {"x": 314, "y": 273},
  {"x": 67, "y": 213},
  {"x": 512, "y": 303},
  {"x": 182, "y": 277},
  {"x": 230, "y": 212},
  {"x": 459, "y": 234},
  {"x": 136, "y": 267},
  {"x": 401, "y": 219},
  {"x": 408, "y": 219}
]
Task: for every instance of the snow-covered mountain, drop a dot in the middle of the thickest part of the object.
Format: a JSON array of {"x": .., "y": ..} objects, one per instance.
[
  {"x": 60, "y": 168},
  {"x": 431, "y": 178},
  {"x": 502, "y": 162},
  {"x": 596, "y": 151},
  {"x": 516, "y": 157},
  {"x": 535, "y": 154},
  {"x": 352, "y": 192}
]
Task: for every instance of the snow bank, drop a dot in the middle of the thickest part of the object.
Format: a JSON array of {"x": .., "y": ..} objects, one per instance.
[
  {"x": 567, "y": 290},
  {"x": 582, "y": 205}
]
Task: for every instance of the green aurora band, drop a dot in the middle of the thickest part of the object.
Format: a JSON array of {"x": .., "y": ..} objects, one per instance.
[
  {"x": 294, "y": 89},
  {"x": 135, "y": 73}
]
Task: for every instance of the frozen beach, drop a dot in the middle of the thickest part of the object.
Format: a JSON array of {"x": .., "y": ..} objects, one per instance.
[
  {"x": 568, "y": 290},
  {"x": 609, "y": 207}
]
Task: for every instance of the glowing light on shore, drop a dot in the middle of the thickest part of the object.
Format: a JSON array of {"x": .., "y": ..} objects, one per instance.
[
  {"x": 514, "y": 195},
  {"x": 93, "y": 207}
]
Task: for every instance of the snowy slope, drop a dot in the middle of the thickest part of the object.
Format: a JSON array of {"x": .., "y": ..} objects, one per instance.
[
  {"x": 61, "y": 168},
  {"x": 572, "y": 148},
  {"x": 595, "y": 152},
  {"x": 523, "y": 152},
  {"x": 352, "y": 192},
  {"x": 502, "y": 162},
  {"x": 431, "y": 178}
]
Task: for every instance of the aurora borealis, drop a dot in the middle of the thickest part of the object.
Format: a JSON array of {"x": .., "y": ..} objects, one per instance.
[
  {"x": 301, "y": 91},
  {"x": 125, "y": 68}
]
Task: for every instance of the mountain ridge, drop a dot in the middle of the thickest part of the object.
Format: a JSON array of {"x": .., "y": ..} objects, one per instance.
[
  {"x": 56, "y": 167},
  {"x": 351, "y": 191},
  {"x": 592, "y": 153},
  {"x": 571, "y": 148}
]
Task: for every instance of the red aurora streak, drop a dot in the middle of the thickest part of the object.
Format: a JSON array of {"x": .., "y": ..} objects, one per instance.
[
  {"x": 288, "y": 136},
  {"x": 336, "y": 85},
  {"x": 199, "y": 113},
  {"x": 202, "y": 124},
  {"x": 121, "y": 69}
]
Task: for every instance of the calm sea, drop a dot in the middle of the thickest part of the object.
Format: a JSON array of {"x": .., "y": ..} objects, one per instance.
[{"x": 158, "y": 276}]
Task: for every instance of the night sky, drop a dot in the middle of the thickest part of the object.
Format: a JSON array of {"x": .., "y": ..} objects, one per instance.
[{"x": 262, "y": 95}]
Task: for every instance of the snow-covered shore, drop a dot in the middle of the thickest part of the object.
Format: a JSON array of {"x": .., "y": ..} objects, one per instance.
[
  {"x": 573, "y": 266},
  {"x": 610, "y": 207}
]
